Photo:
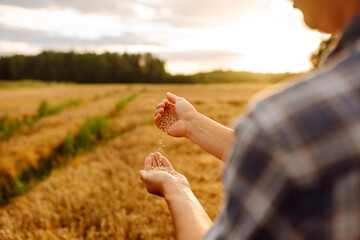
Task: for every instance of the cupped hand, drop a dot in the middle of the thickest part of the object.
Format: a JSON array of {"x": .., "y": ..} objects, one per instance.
[
  {"x": 184, "y": 111},
  {"x": 160, "y": 177}
]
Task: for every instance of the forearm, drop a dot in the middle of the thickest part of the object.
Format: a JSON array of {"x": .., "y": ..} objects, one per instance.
[
  {"x": 189, "y": 218},
  {"x": 211, "y": 136}
]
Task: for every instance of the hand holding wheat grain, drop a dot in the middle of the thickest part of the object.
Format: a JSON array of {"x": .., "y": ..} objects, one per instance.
[
  {"x": 173, "y": 114},
  {"x": 160, "y": 177}
]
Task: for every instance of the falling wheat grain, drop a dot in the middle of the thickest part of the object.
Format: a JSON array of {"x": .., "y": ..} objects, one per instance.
[{"x": 168, "y": 117}]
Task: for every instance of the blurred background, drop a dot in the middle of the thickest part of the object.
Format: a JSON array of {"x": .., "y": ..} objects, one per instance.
[
  {"x": 79, "y": 82},
  {"x": 189, "y": 37}
]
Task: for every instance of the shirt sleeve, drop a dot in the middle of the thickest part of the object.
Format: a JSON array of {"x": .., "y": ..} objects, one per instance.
[{"x": 254, "y": 181}]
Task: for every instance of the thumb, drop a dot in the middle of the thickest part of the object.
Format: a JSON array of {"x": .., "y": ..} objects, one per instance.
[
  {"x": 172, "y": 97},
  {"x": 143, "y": 175}
]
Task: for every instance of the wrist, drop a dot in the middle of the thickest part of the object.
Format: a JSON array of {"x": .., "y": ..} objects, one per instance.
[
  {"x": 191, "y": 124},
  {"x": 175, "y": 190}
]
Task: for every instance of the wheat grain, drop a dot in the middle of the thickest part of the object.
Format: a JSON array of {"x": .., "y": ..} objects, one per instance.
[
  {"x": 165, "y": 169},
  {"x": 168, "y": 117}
]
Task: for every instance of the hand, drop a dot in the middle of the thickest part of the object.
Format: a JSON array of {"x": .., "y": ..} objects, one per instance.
[
  {"x": 161, "y": 182},
  {"x": 184, "y": 113}
]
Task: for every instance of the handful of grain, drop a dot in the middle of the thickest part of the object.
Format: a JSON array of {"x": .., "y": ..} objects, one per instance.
[
  {"x": 165, "y": 169},
  {"x": 168, "y": 117}
]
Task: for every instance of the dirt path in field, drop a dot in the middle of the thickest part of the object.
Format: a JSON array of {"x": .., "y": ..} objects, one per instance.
[{"x": 41, "y": 139}]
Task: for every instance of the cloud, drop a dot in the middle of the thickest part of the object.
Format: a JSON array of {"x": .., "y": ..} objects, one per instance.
[
  {"x": 26, "y": 4},
  {"x": 53, "y": 40},
  {"x": 202, "y": 55},
  {"x": 189, "y": 35},
  {"x": 185, "y": 7},
  {"x": 48, "y": 40},
  {"x": 85, "y": 6},
  {"x": 185, "y": 13},
  {"x": 189, "y": 62}
]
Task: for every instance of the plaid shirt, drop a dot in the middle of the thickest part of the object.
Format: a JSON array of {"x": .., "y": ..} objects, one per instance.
[{"x": 294, "y": 172}]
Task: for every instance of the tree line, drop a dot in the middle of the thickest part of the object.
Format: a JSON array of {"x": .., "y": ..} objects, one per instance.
[
  {"x": 51, "y": 66},
  {"x": 84, "y": 68}
]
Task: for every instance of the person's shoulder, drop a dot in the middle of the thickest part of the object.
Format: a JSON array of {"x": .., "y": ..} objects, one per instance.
[
  {"x": 306, "y": 118},
  {"x": 306, "y": 91},
  {"x": 280, "y": 103}
]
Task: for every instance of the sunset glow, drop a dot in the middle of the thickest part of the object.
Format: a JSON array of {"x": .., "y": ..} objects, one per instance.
[{"x": 261, "y": 36}]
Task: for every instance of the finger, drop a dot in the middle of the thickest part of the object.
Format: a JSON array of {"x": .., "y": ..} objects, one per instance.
[
  {"x": 159, "y": 111},
  {"x": 148, "y": 164},
  {"x": 157, "y": 119},
  {"x": 172, "y": 131},
  {"x": 157, "y": 157},
  {"x": 162, "y": 104},
  {"x": 153, "y": 160},
  {"x": 143, "y": 175},
  {"x": 171, "y": 107},
  {"x": 166, "y": 163},
  {"x": 172, "y": 97}
]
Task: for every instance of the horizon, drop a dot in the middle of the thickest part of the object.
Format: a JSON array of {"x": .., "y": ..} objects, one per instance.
[
  {"x": 120, "y": 53},
  {"x": 262, "y": 36}
]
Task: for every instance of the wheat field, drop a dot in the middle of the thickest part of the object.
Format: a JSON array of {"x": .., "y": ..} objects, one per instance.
[{"x": 98, "y": 194}]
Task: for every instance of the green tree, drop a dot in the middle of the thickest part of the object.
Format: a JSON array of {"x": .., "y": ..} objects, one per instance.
[
  {"x": 84, "y": 68},
  {"x": 321, "y": 51}
]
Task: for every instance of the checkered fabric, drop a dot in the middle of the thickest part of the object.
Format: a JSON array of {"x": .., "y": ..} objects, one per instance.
[{"x": 294, "y": 172}]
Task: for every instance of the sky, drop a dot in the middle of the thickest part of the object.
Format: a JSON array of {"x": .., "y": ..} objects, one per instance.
[{"x": 189, "y": 35}]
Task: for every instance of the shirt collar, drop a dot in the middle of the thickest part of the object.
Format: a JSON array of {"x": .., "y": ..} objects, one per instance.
[{"x": 348, "y": 43}]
